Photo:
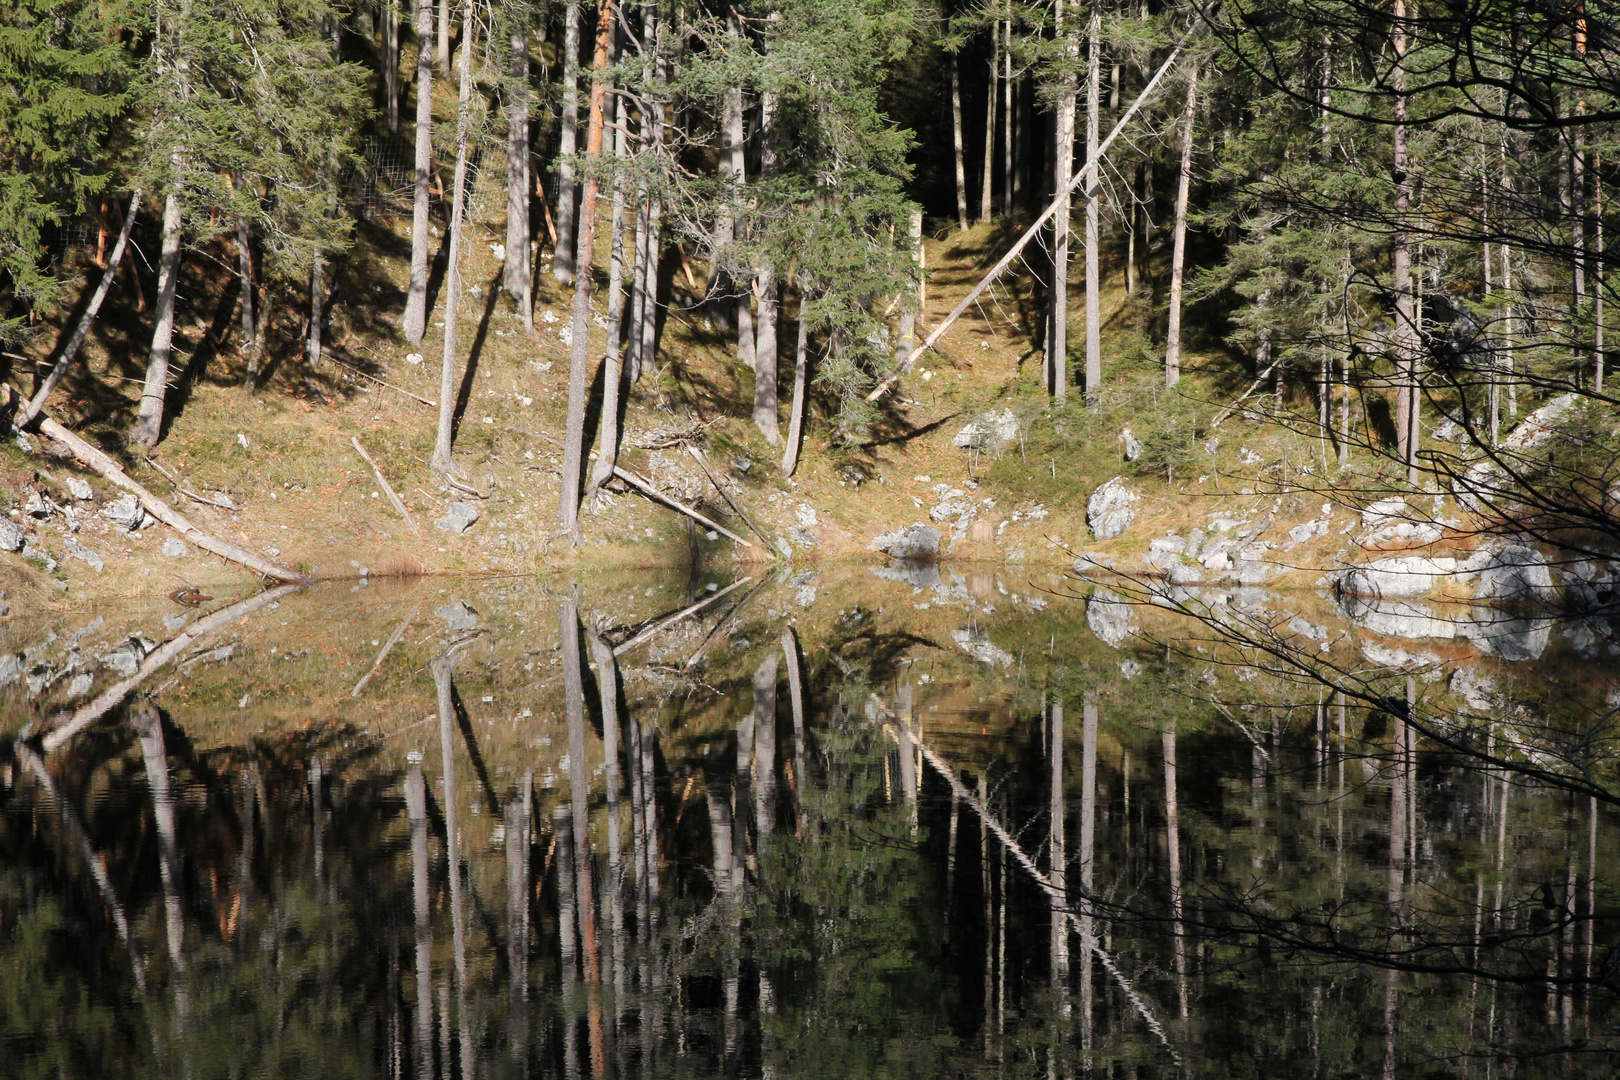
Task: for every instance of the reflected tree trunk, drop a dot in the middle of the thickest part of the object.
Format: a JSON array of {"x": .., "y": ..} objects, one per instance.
[
  {"x": 1058, "y": 872},
  {"x": 517, "y": 824},
  {"x": 416, "y": 812},
  {"x": 1173, "y": 852},
  {"x": 1088, "y": 847},
  {"x": 607, "y": 682},
  {"x": 764, "y": 750},
  {"x": 443, "y": 668},
  {"x": 790, "y": 651}
]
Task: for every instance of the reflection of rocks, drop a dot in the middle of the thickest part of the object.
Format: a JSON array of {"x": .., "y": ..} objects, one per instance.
[
  {"x": 916, "y": 573},
  {"x": 1395, "y": 618},
  {"x": 1513, "y": 636},
  {"x": 1109, "y": 617},
  {"x": 458, "y": 616},
  {"x": 1109, "y": 511},
  {"x": 1424, "y": 663},
  {"x": 976, "y": 643}
]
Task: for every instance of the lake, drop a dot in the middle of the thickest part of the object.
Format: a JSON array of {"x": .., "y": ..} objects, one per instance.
[{"x": 862, "y": 822}]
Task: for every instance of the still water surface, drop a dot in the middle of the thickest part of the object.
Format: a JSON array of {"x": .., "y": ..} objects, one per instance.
[{"x": 828, "y": 825}]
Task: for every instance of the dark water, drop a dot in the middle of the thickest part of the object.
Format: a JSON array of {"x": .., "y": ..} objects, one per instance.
[{"x": 828, "y": 826}]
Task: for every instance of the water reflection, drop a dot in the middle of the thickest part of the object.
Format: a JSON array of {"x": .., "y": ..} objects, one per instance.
[{"x": 598, "y": 833}]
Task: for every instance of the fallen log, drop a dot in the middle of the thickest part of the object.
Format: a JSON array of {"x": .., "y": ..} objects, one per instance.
[{"x": 93, "y": 458}]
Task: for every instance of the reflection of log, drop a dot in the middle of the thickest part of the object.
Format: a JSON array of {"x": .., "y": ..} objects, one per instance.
[
  {"x": 620, "y": 650},
  {"x": 416, "y": 811},
  {"x": 92, "y": 857},
  {"x": 388, "y": 647},
  {"x": 88, "y": 455},
  {"x": 1088, "y": 939},
  {"x": 103, "y": 702}
]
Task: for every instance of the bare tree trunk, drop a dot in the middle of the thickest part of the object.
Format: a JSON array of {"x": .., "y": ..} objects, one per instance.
[
  {"x": 908, "y": 313},
  {"x": 790, "y": 459},
  {"x": 957, "y": 145},
  {"x": 1088, "y": 847},
  {"x": 1405, "y": 315},
  {"x": 1178, "y": 246},
  {"x": 1057, "y": 336},
  {"x": 1172, "y": 831},
  {"x": 518, "y": 814},
  {"x": 764, "y": 749},
  {"x": 445, "y": 435},
  {"x": 148, "y": 426},
  {"x": 416, "y": 296},
  {"x": 390, "y": 62},
  {"x": 1093, "y": 234},
  {"x": 580, "y": 353},
  {"x": 444, "y": 37},
  {"x": 562, "y": 263},
  {"x": 736, "y": 149},
  {"x": 252, "y": 344},
  {"x": 647, "y": 351},
  {"x": 82, "y": 330},
  {"x": 1006, "y": 120},
  {"x": 765, "y": 347},
  {"x": 988, "y": 173},
  {"x": 1597, "y": 272},
  {"x": 416, "y": 812},
  {"x": 317, "y": 293},
  {"x": 1057, "y": 857},
  {"x": 518, "y": 257},
  {"x": 607, "y": 448}
]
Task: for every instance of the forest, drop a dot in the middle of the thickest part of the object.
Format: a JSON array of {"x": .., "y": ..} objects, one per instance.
[{"x": 1366, "y": 222}]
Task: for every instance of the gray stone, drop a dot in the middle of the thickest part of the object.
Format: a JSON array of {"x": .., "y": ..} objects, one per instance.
[
  {"x": 76, "y": 550},
  {"x": 124, "y": 511},
  {"x": 125, "y": 658},
  {"x": 1476, "y": 688},
  {"x": 919, "y": 575},
  {"x": 1516, "y": 575},
  {"x": 174, "y": 548},
  {"x": 1385, "y": 511},
  {"x": 1250, "y": 572},
  {"x": 79, "y": 489},
  {"x": 1396, "y": 618},
  {"x": 37, "y": 506},
  {"x": 459, "y": 616},
  {"x": 11, "y": 666},
  {"x": 949, "y": 509},
  {"x": 1411, "y": 575},
  {"x": 802, "y": 537},
  {"x": 1183, "y": 574},
  {"x": 990, "y": 431},
  {"x": 1133, "y": 449},
  {"x": 1217, "y": 554},
  {"x": 917, "y": 541},
  {"x": 80, "y": 685},
  {"x": 175, "y": 621},
  {"x": 1109, "y": 511},
  {"x": 11, "y": 537},
  {"x": 39, "y": 555},
  {"x": 1301, "y": 533},
  {"x": 458, "y": 518}
]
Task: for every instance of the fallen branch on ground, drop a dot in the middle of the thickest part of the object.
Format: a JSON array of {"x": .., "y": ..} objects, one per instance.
[
  {"x": 382, "y": 481},
  {"x": 108, "y": 468}
]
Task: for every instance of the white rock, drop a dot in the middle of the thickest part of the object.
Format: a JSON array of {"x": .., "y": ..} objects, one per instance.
[
  {"x": 79, "y": 489},
  {"x": 1133, "y": 449},
  {"x": 1516, "y": 575},
  {"x": 990, "y": 431},
  {"x": 458, "y": 616},
  {"x": 174, "y": 547},
  {"x": 913, "y": 542},
  {"x": 976, "y": 643},
  {"x": 1109, "y": 617},
  {"x": 806, "y": 515},
  {"x": 124, "y": 511},
  {"x": 11, "y": 537},
  {"x": 1109, "y": 511}
]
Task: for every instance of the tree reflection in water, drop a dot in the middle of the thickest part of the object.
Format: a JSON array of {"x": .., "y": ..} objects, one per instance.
[{"x": 767, "y": 863}]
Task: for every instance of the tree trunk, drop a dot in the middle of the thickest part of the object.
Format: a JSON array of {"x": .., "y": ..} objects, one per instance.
[
  {"x": 988, "y": 173},
  {"x": 148, "y": 426},
  {"x": 82, "y": 330},
  {"x": 733, "y": 290},
  {"x": 1006, "y": 120},
  {"x": 444, "y": 37},
  {"x": 1405, "y": 316},
  {"x": 790, "y": 459},
  {"x": 317, "y": 293},
  {"x": 1178, "y": 244},
  {"x": 1093, "y": 235},
  {"x": 957, "y": 145},
  {"x": 1057, "y": 335},
  {"x": 416, "y": 296},
  {"x": 252, "y": 345},
  {"x": 562, "y": 263},
  {"x": 607, "y": 442},
  {"x": 908, "y": 312},
  {"x": 580, "y": 352},
  {"x": 445, "y": 435},
  {"x": 765, "y": 347},
  {"x": 390, "y": 62},
  {"x": 518, "y": 256},
  {"x": 647, "y": 351},
  {"x": 1597, "y": 272}
]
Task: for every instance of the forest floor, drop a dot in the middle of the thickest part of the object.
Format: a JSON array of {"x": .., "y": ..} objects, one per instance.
[{"x": 282, "y": 454}]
